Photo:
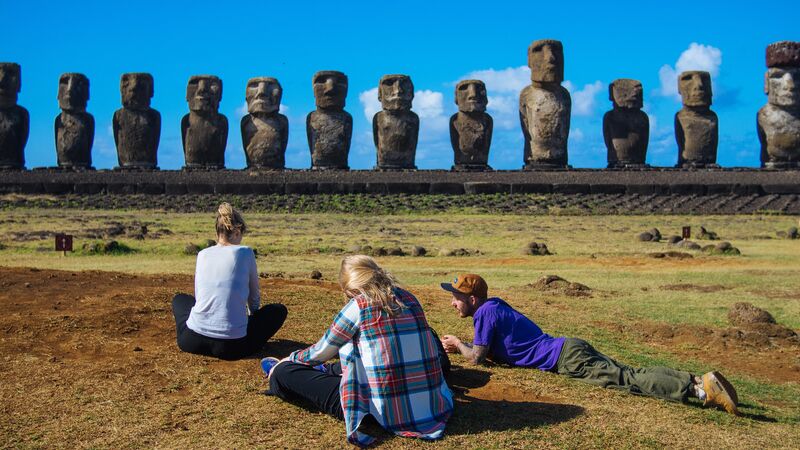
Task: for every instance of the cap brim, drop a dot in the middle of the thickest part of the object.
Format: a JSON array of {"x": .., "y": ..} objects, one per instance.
[{"x": 450, "y": 288}]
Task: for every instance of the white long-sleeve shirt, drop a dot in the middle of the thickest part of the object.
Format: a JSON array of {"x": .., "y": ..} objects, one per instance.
[{"x": 225, "y": 284}]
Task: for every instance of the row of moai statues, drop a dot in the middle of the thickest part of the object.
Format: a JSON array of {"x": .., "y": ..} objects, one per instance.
[{"x": 544, "y": 109}]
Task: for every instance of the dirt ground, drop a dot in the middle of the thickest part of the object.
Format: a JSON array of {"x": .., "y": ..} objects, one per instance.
[{"x": 89, "y": 360}]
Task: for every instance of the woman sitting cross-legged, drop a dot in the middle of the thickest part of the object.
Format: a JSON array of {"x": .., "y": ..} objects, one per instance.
[
  {"x": 390, "y": 361},
  {"x": 226, "y": 285}
]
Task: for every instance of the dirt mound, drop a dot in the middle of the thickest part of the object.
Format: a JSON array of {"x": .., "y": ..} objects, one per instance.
[
  {"x": 743, "y": 314},
  {"x": 556, "y": 285},
  {"x": 686, "y": 287}
]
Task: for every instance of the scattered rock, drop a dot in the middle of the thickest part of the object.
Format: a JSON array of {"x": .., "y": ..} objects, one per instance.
[
  {"x": 674, "y": 239},
  {"x": 723, "y": 248},
  {"x": 687, "y": 244},
  {"x": 316, "y": 275},
  {"x": 708, "y": 235},
  {"x": 272, "y": 275},
  {"x": 191, "y": 249},
  {"x": 536, "y": 248},
  {"x": 137, "y": 349},
  {"x": 792, "y": 233},
  {"x": 27, "y": 285},
  {"x": 742, "y": 314},
  {"x": 395, "y": 251},
  {"x": 556, "y": 284},
  {"x": 379, "y": 251},
  {"x": 366, "y": 250},
  {"x": 671, "y": 254},
  {"x": 652, "y": 235},
  {"x": 418, "y": 251},
  {"x": 458, "y": 252}
]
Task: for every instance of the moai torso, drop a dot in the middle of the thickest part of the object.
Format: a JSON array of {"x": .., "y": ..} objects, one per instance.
[
  {"x": 696, "y": 126},
  {"x": 471, "y": 128},
  {"x": 395, "y": 129},
  {"x": 265, "y": 139},
  {"x": 626, "y": 128},
  {"x": 545, "y": 107},
  {"x": 137, "y": 127},
  {"x": 329, "y": 128},
  {"x": 74, "y": 127},
  {"x": 204, "y": 130},
  {"x": 14, "y": 119},
  {"x": 779, "y": 119}
]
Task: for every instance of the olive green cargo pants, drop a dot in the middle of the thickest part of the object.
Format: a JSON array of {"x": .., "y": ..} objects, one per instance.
[{"x": 580, "y": 360}]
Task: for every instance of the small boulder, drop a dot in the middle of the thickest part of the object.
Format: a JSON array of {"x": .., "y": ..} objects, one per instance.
[
  {"x": 724, "y": 245},
  {"x": 689, "y": 245},
  {"x": 674, "y": 239},
  {"x": 536, "y": 249},
  {"x": 191, "y": 249},
  {"x": 395, "y": 251},
  {"x": 644, "y": 237},
  {"x": 743, "y": 314},
  {"x": 316, "y": 275},
  {"x": 418, "y": 250},
  {"x": 708, "y": 235}
]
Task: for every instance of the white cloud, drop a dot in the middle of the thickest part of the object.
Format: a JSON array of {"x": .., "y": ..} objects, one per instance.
[
  {"x": 428, "y": 104},
  {"x": 584, "y": 100},
  {"x": 369, "y": 100},
  {"x": 509, "y": 80},
  {"x": 696, "y": 57}
]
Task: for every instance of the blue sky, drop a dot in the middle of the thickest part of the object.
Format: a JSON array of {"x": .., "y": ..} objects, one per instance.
[{"x": 436, "y": 43}]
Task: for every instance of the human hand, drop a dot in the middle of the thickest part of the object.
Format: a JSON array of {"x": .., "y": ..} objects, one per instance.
[{"x": 450, "y": 343}]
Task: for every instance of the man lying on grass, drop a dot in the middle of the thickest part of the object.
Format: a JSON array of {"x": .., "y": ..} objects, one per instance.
[{"x": 504, "y": 335}]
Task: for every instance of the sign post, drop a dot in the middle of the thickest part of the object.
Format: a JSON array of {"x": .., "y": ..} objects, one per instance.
[
  {"x": 687, "y": 232},
  {"x": 64, "y": 243}
]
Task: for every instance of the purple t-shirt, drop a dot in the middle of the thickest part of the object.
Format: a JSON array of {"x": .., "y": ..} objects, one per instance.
[{"x": 514, "y": 339}]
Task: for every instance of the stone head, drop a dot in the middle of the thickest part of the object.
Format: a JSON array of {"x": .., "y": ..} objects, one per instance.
[
  {"x": 546, "y": 60},
  {"x": 695, "y": 88},
  {"x": 204, "y": 93},
  {"x": 10, "y": 83},
  {"x": 73, "y": 92},
  {"x": 263, "y": 95},
  {"x": 330, "y": 89},
  {"x": 626, "y": 93},
  {"x": 396, "y": 92},
  {"x": 471, "y": 96},
  {"x": 136, "y": 89},
  {"x": 782, "y": 80}
]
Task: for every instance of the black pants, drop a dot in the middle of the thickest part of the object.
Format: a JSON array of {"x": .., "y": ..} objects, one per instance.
[
  {"x": 261, "y": 326},
  {"x": 292, "y": 381}
]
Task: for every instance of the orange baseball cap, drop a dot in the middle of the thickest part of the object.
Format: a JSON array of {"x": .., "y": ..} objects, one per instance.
[{"x": 468, "y": 284}]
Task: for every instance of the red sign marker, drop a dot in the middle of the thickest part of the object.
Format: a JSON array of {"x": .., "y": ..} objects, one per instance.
[{"x": 64, "y": 243}]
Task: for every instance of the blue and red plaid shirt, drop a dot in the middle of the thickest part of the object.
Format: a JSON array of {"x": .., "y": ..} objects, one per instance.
[{"x": 390, "y": 369}]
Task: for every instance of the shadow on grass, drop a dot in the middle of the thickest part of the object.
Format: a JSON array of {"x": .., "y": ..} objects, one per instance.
[
  {"x": 279, "y": 348},
  {"x": 745, "y": 415}
]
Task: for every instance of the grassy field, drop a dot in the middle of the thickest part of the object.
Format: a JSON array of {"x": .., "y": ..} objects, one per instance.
[{"x": 642, "y": 310}]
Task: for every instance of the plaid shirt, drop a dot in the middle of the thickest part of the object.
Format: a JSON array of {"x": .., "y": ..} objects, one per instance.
[{"x": 390, "y": 369}]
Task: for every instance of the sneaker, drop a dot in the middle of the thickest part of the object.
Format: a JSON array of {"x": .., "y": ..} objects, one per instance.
[
  {"x": 720, "y": 393},
  {"x": 268, "y": 363}
]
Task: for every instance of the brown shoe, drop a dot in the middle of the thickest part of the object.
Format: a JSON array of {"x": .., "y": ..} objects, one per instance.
[{"x": 720, "y": 392}]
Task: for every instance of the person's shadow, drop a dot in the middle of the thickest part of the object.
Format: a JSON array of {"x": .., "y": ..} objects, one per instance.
[
  {"x": 279, "y": 348},
  {"x": 508, "y": 411}
]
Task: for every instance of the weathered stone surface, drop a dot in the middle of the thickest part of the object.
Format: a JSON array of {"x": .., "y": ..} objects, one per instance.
[
  {"x": 74, "y": 127},
  {"x": 696, "y": 126},
  {"x": 779, "y": 120},
  {"x": 137, "y": 126},
  {"x": 265, "y": 131},
  {"x": 329, "y": 128},
  {"x": 626, "y": 128},
  {"x": 471, "y": 127},
  {"x": 14, "y": 119},
  {"x": 544, "y": 107},
  {"x": 204, "y": 131},
  {"x": 395, "y": 129}
]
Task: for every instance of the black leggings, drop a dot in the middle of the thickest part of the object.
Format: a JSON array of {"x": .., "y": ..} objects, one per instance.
[{"x": 261, "y": 326}]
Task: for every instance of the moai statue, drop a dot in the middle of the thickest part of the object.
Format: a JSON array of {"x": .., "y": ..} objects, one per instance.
[
  {"x": 626, "y": 128},
  {"x": 204, "y": 131},
  {"x": 471, "y": 127},
  {"x": 265, "y": 131},
  {"x": 544, "y": 107},
  {"x": 14, "y": 119},
  {"x": 74, "y": 127},
  {"x": 330, "y": 127},
  {"x": 137, "y": 126},
  {"x": 395, "y": 129},
  {"x": 779, "y": 119},
  {"x": 696, "y": 126}
]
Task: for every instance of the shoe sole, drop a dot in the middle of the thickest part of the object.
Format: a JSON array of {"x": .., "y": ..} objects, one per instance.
[{"x": 725, "y": 391}]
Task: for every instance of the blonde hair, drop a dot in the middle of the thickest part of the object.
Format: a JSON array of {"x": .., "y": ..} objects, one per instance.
[
  {"x": 361, "y": 275},
  {"x": 229, "y": 220}
]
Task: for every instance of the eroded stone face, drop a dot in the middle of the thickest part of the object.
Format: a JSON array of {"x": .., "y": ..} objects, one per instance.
[
  {"x": 204, "y": 131},
  {"x": 330, "y": 89},
  {"x": 265, "y": 132},
  {"x": 14, "y": 119},
  {"x": 695, "y": 88},
  {"x": 74, "y": 126},
  {"x": 137, "y": 126},
  {"x": 329, "y": 129},
  {"x": 471, "y": 127},
  {"x": 204, "y": 92},
  {"x": 545, "y": 107},
  {"x": 396, "y": 92},
  {"x": 263, "y": 95},
  {"x": 779, "y": 119},
  {"x": 396, "y": 128},
  {"x": 626, "y": 129},
  {"x": 546, "y": 60}
]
